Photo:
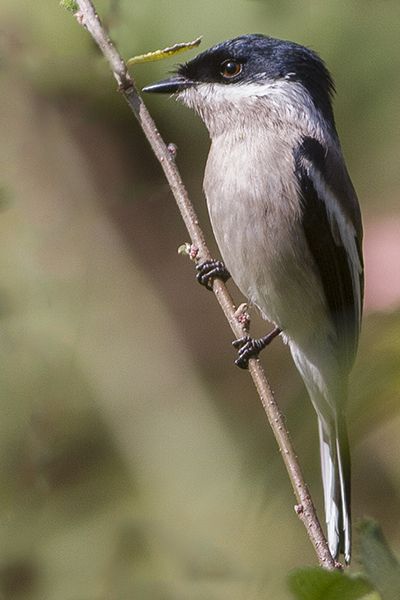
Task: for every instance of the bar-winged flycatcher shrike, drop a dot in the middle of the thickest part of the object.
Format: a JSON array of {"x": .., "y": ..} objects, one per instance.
[{"x": 287, "y": 222}]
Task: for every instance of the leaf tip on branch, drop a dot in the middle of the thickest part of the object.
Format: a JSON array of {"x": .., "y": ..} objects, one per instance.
[
  {"x": 189, "y": 250},
  {"x": 70, "y": 5}
]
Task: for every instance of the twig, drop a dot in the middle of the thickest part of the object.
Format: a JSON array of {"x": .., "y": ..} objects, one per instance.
[{"x": 305, "y": 509}]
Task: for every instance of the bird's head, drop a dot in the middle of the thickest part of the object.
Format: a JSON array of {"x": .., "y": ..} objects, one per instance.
[{"x": 226, "y": 81}]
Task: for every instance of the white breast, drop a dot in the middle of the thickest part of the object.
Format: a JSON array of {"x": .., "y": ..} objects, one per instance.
[{"x": 255, "y": 215}]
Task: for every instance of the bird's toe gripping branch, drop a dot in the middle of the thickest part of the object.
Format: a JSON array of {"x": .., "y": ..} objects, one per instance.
[
  {"x": 250, "y": 347},
  {"x": 208, "y": 270}
]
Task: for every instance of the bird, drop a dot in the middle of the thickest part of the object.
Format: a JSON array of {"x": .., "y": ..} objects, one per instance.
[{"x": 287, "y": 222}]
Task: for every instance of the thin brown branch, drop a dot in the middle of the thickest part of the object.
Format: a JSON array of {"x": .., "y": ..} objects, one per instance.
[{"x": 88, "y": 17}]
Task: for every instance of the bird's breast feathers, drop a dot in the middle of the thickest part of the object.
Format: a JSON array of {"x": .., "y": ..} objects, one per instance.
[
  {"x": 261, "y": 211},
  {"x": 256, "y": 219}
]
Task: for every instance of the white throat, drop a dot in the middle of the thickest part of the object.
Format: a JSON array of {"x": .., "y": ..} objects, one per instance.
[{"x": 273, "y": 104}]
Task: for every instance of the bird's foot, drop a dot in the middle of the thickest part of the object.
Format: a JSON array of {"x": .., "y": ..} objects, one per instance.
[
  {"x": 250, "y": 347},
  {"x": 208, "y": 270}
]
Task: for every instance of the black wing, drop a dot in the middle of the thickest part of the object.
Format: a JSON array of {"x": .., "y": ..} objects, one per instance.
[{"x": 332, "y": 226}]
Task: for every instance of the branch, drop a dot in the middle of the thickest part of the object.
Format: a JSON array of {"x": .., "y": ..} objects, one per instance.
[{"x": 87, "y": 16}]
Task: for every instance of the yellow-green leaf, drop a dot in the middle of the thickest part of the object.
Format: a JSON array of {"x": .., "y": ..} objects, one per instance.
[{"x": 165, "y": 53}]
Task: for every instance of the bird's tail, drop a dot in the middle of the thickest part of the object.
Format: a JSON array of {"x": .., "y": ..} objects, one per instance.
[{"x": 335, "y": 466}]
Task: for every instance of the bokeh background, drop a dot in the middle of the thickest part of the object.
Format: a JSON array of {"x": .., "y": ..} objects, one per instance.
[{"x": 135, "y": 459}]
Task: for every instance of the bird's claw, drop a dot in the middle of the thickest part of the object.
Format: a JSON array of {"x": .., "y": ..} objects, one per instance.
[
  {"x": 249, "y": 347},
  {"x": 208, "y": 270}
]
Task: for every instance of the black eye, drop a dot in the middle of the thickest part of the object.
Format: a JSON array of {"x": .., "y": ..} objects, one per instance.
[{"x": 230, "y": 68}]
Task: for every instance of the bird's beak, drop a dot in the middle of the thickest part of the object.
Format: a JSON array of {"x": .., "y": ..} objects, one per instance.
[{"x": 174, "y": 84}]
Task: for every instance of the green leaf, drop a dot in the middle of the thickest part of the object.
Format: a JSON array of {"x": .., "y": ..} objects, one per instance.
[
  {"x": 165, "y": 53},
  {"x": 379, "y": 562},
  {"x": 70, "y": 5},
  {"x": 314, "y": 583}
]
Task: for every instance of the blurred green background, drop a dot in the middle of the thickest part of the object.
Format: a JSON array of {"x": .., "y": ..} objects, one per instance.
[{"x": 136, "y": 461}]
